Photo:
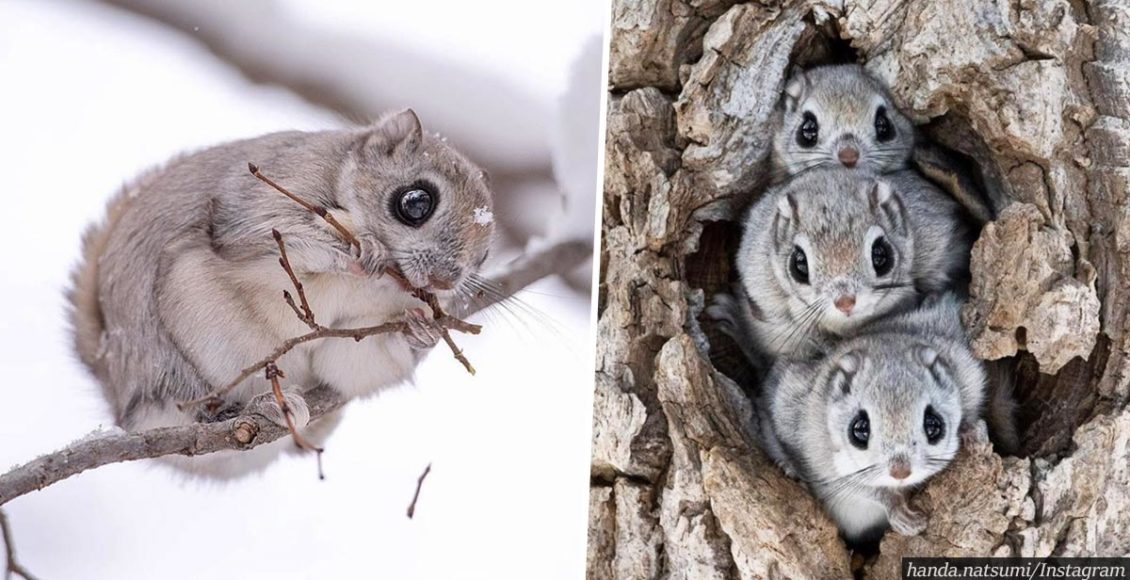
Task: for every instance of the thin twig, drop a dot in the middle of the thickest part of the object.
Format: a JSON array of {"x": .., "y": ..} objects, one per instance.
[
  {"x": 315, "y": 209},
  {"x": 14, "y": 567},
  {"x": 354, "y": 333},
  {"x": 439, "y": 314},
  {"x": 247, "y": 431},
  {"x": 273, "y": 375},
  {"x": 306, "y": 315},
  {"x": 416, "y": 496}
]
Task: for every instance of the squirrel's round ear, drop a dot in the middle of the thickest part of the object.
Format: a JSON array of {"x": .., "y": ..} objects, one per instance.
[
  {"x": 879, "y": 193},
  {"x": 926, "y": 355},
  {"x": 848, "y": 362},
  {"x": 883, "y": 202},
  {"x": 786, "y": 207},
  {"x": 782, "y": 221},
  {"x": 795, "y": 87},
  {"x": 399, "y": 132},
  {"x": 846, "y": 366}
]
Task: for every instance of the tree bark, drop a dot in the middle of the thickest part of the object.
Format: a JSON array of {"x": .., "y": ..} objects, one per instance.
[{"x": 1038, "y": 93}]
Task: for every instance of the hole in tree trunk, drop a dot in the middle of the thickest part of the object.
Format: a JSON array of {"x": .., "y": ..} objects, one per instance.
[{"x": 1049, "y": 407}]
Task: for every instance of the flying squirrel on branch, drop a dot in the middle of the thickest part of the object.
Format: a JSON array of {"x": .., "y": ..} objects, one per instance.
[{"x": 180, "y": 288}]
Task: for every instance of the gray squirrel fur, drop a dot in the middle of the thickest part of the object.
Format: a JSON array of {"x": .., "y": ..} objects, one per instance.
[
  {"x": 892, "y": 369},
  {"x": 844, "y": 99},
  {"x": 902, "y": 347},
  {"x": 179, "y": 287},
  {"x": 835, "y": 215}
]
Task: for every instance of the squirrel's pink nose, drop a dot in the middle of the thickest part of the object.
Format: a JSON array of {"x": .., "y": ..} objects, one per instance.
[
  {"x": 849, "y": 156},
  {"x": 900, "y": 469},
  {"x": 845, "y": 303}
]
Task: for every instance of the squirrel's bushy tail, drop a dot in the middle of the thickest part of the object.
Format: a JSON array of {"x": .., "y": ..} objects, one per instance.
[{"x": 84, "y": 309}]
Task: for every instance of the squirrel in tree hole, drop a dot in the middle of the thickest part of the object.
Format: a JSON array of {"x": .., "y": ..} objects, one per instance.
[
  {"x": 839, "y": 115},
  {"x": 842, "y": 116},
  {"x": 876, "y": 417},
  {"x": 180, "y": 287},
  {"x": 833, "y": 249},
  {"x": 851, "y": 270}
]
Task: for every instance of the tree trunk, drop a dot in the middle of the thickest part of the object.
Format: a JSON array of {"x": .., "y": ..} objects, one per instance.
[{"x": 1038, "y": 93}]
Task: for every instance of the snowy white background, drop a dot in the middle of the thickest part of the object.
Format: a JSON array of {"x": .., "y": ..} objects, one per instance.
[{"x": 92, "y": 95}]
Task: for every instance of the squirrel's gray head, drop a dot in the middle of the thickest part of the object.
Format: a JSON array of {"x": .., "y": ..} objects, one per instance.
[
  {"x": 841, "y": 248},
  {"x": 840, "y": 116},
  {"x": 894, "y": 412},
  {"x": 429, "y": 206}
]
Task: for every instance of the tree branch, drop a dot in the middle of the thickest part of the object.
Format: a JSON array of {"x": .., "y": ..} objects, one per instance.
[
  {"x": 247, "y": 431},
  {"x": 362, "y": 77},
  {"x": 310, "y": 207}
]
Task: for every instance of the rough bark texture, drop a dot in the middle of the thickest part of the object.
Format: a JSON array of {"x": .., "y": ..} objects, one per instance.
[{"x": 1038, "y": 92}]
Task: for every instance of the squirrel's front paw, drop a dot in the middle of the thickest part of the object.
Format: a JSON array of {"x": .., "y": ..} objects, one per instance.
[
  {"x": 374, "y": 258},
  {"x": 907, "y": 521},
  {"x": 423, "y": 331},
  {"x": 267, "y": 406},
  {"x": 724, "y": 309}
]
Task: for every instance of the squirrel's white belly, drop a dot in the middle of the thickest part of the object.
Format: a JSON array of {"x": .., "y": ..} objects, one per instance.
[
  {"x": 858, "y": 515},
  {"x": 360, "y": 368}
]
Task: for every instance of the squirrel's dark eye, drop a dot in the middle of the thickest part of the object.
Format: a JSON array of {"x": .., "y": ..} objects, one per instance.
[
  {"x": 934, "y": 425},
  {"x": 884, "y": 130},
  {"x": 798, "y": 265},
  {"x": 881, "y": 258},
  {"x": 808, "y": 132},
  {"x": 860, "y": 430},
  {"x": 414, "y": 206}
]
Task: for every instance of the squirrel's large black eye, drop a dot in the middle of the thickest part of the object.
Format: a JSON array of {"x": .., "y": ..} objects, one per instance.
[
  {"x": 884, "y": 130},
  {"x": 808, "y": 132},
  {"x": 881, "y": 258},
  {"x": 798, "y": 265},
  {"x": 414, "y": 206},
  {"x": 934, "y": 425},
  {"x": 860, "y": 430}
]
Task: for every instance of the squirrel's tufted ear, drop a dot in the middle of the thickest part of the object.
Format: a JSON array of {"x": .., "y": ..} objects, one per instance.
[
  {"x": 782, "y": 221},
  {"x": 936, "y": 364},
  {"x": 795, "y": 88},
  {"x": 887, "y": 204},
  {"x": 926, "y": 355},
  {"x": 786, "y": 207},
  {"x": 399, "y": 132},
  {"x": 846, "y": 366},
  {"x": 880, "y": 193},
  {"x": 849, "y": 362}
]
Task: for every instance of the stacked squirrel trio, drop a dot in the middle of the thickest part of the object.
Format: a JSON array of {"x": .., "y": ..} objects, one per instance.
[{"x": 852, "y": 271}]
